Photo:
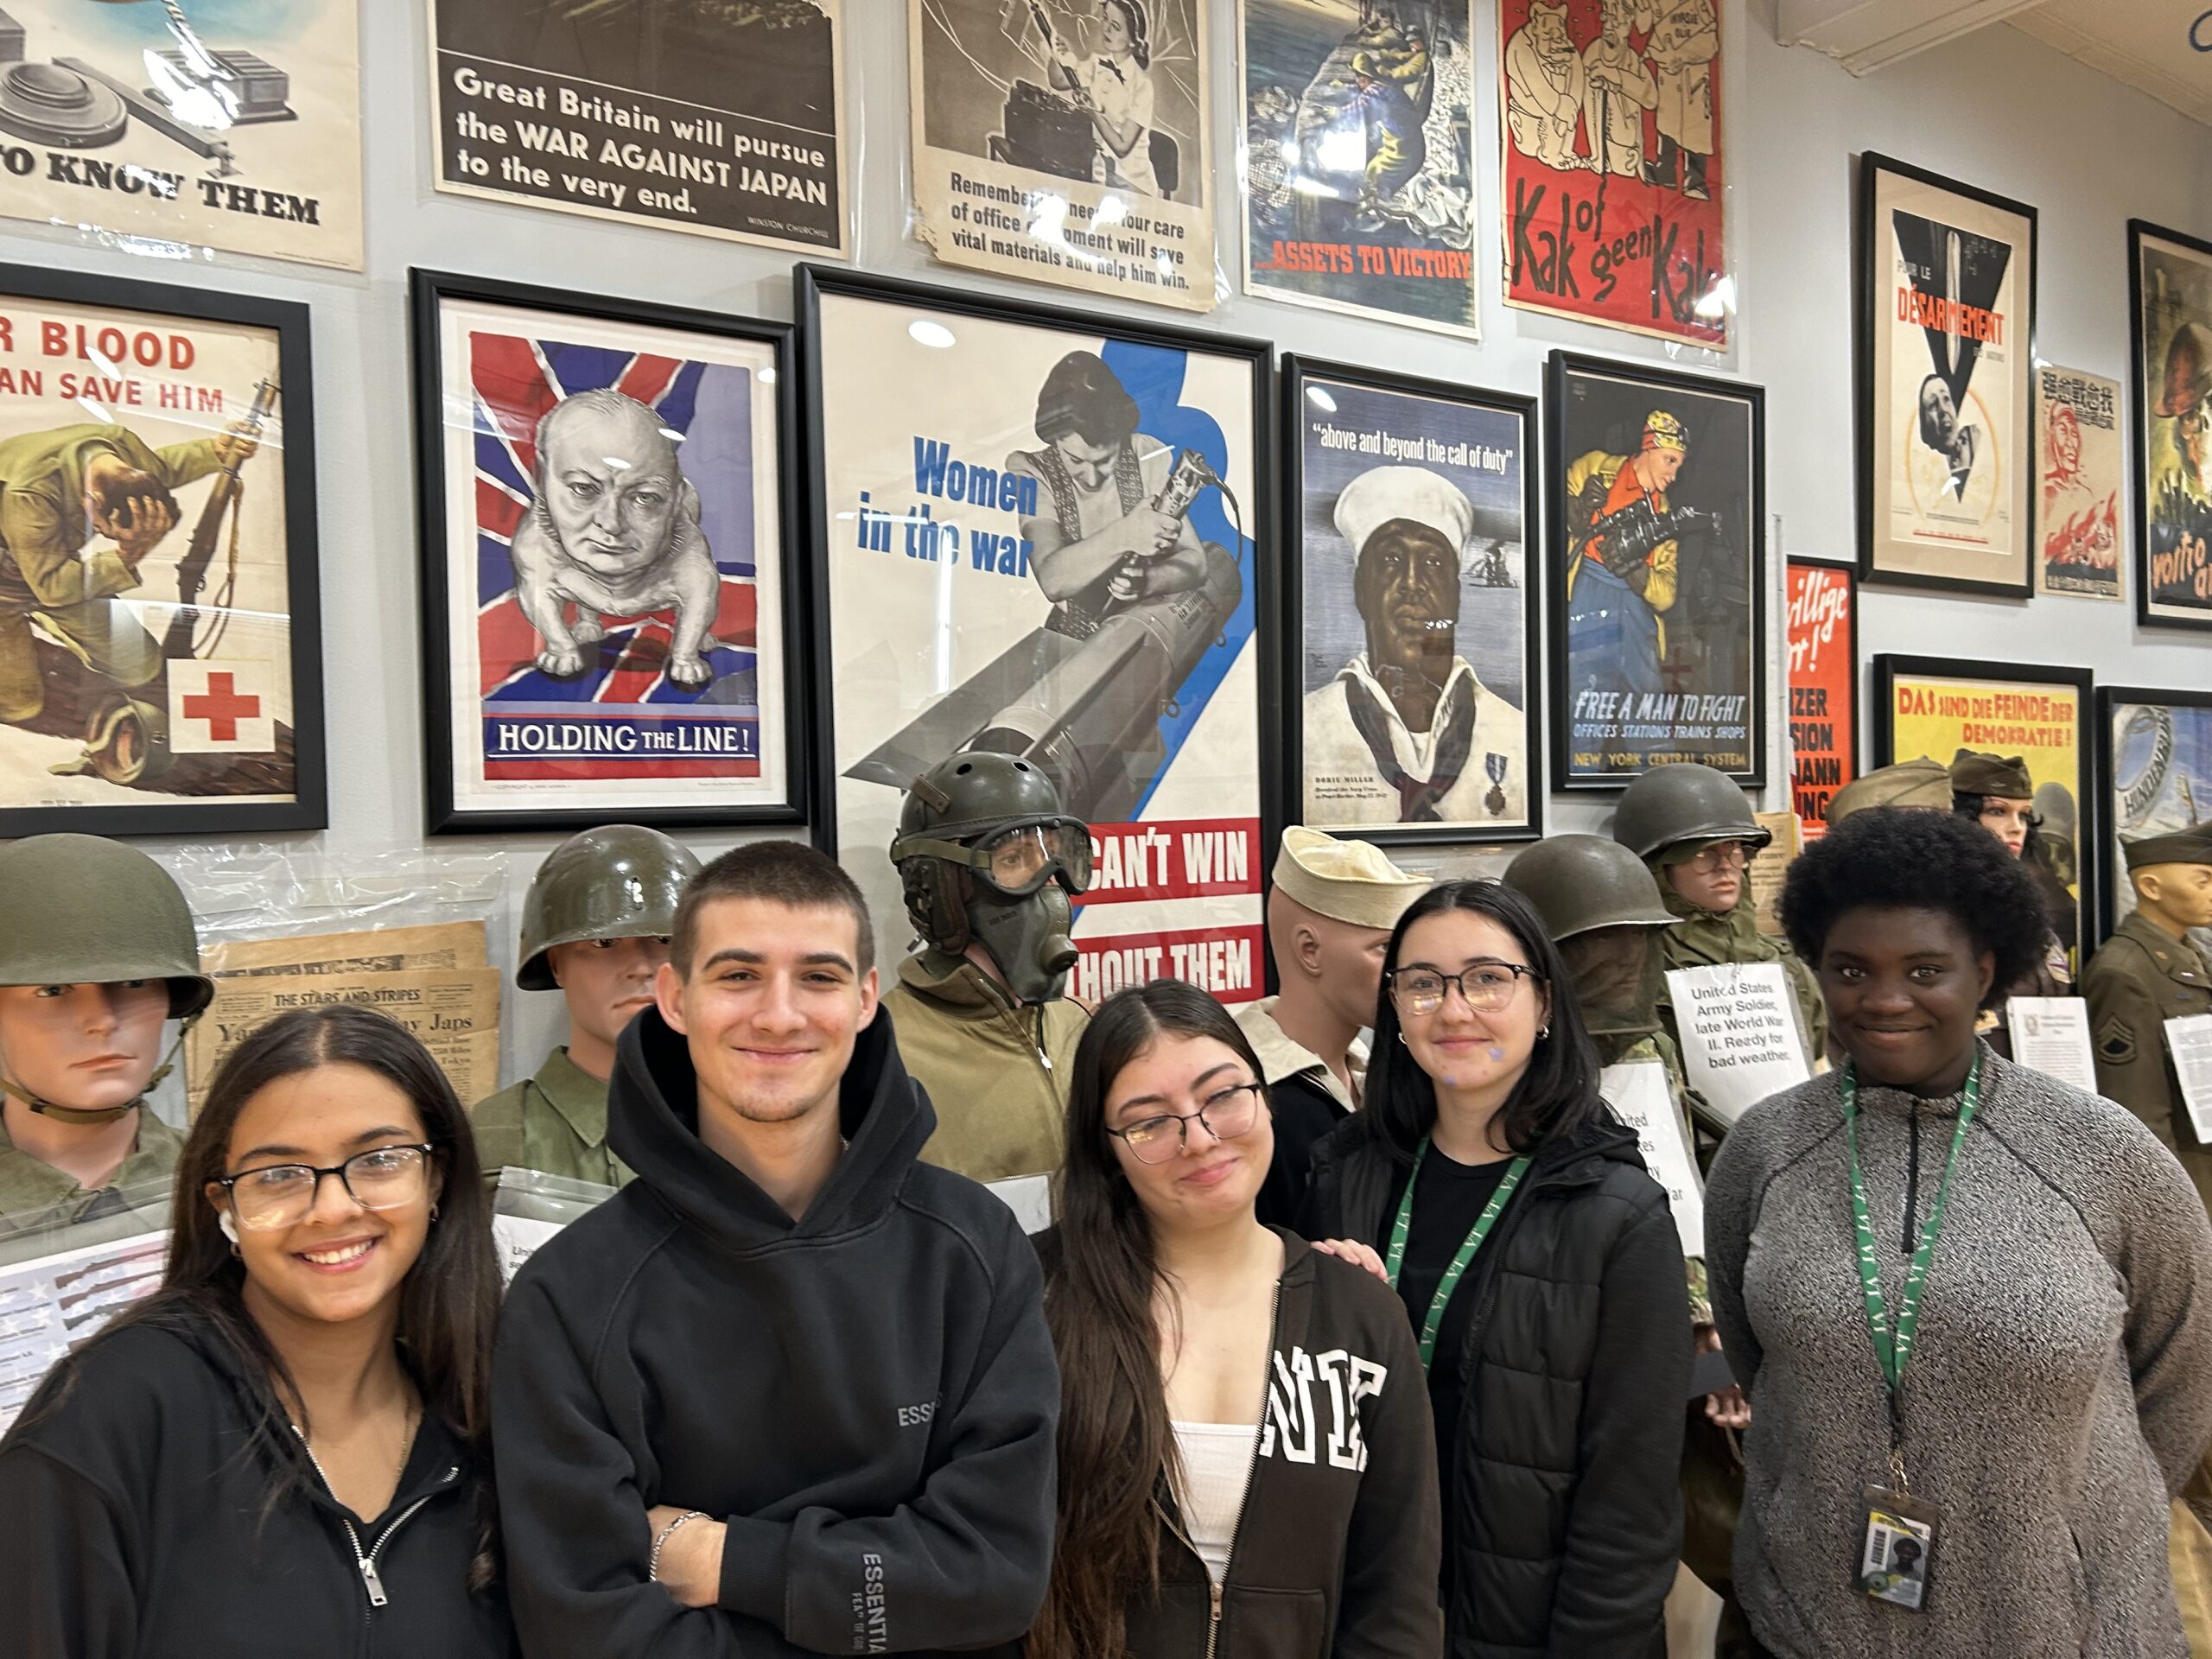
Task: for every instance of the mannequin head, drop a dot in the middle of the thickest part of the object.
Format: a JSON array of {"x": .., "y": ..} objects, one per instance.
[
  {"x": 86, "y": 1048},
  {"x": 1330, "y": 907},
  {"x": 1325, "y": 962},
  {"x": 2177, "y": 897}
]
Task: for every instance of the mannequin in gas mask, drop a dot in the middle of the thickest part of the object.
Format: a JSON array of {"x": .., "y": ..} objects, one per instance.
[
  {"x": 1604, "y": 909},
  {"x": 1330, "y": 912},
  {"x": 595, "y": 927},
  {"x": 990, "y": 864},
  {"x": 98, "y": 952}
]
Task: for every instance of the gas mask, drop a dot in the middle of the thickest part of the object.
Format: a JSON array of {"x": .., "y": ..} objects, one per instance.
[{"x": 1017, "y": 900}]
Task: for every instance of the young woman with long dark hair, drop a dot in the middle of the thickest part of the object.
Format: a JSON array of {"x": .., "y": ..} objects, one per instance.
[
  {"x": 1540, "y": 1263},
  {"x": 283, "y": 1449},
  {"x": 1246, "y": 1469}
]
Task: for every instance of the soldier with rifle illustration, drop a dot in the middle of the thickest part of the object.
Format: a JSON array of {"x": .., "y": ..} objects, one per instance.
[
  {"x": 66, "y": 487},
  {"x": 1623, "y": 576}
]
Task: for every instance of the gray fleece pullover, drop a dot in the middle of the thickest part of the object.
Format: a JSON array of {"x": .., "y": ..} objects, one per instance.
[{"x": 2061, "y": 1389}]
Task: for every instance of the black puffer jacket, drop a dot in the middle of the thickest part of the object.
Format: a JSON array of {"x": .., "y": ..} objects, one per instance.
[{"x": 1563, "y": 1484}]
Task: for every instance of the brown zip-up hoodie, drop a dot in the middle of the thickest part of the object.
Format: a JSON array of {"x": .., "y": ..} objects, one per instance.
[{"x": 1335, "y": 1550}]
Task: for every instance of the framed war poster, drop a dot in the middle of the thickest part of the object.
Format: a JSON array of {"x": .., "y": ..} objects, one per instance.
[
  {"x": 160, "y": 656},
  {"x": 220, "y": 123},
  {"x": 607, "y": 585},
  {"x": 1614, "y": 176},
  {"x": 2079, "y": 466},
  {"x": 1067, "y": 141},
  {"x": 1415, "y": 715},
  {"x": 1936, "y": 706},
  {"x": 720, "y": 120},
  {"x": 1657, "y": 573},
  {"x": 1054, "y": 553},
  {"x": 1823, "y": 604},
  {"x": 2170, "y": 283},
  {"x": 1947, "y": 350},
  {"x": 2154, "y": 776},
  {"x": 1358, "y": 163}
]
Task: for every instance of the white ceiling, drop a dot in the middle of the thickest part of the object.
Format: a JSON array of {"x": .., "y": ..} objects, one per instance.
[{"x": 2163, "y": 46}]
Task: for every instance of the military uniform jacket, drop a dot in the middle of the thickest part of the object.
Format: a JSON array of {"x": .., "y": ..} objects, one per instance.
[
  {"x": 32, "y": 1190},
  {"x": 2143, "y": 977},
  {"x": 555, "y": 1122}
]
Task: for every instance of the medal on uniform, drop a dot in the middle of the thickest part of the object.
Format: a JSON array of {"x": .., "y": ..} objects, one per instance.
[
  {"x": 1896, "y": 1551},
  {"x": 1495, "y": 765}
]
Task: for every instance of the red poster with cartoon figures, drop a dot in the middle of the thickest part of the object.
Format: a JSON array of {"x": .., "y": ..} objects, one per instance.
[
  {"x": 1613, "y": 178},
  {"x": 1823, "y": 689}
]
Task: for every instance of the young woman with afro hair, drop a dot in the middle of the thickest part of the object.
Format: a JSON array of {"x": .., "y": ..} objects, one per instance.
[{"x": 2055, "y": 1389}]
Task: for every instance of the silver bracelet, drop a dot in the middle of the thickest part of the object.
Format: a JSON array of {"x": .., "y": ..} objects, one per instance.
[{"x": 652, "y": 1563}]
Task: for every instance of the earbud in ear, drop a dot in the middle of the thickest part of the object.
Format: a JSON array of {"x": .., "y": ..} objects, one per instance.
[{"x": 228, "y": 1222}]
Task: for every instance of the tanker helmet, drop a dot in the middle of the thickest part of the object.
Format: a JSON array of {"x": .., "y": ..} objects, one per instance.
[
  {"x": 986, "y": 853},
  {"x": 1581, "y": 883},
  {"x": 1683, "y": 807},
  {"x": 619, "y": 882},
  {"x": 83, "y": 910}
]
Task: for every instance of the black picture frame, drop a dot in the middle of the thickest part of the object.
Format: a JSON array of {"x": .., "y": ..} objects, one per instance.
[
  {"x": 814, "y": 283},
  {"x": 2112, "y": 876},
  {"x": 1866, "y": 254},
  {"x": 2147, "y": 614},
  {"x": 1560, "y": 369},
  {"x": 1888, "y": 667},
  {"x": 1296, "y": 371},
  {"x": 428, "y": 291},
  {"x": 291, "y": 324}
]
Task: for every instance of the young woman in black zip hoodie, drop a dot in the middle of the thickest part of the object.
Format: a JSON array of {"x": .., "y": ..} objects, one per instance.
[
  {"x": 283, "y": 1450},
  {"x": 1247, "y": 1466},
  {"x": 789, "y": 1391},
  {"x": 1559, "y": 1351}
]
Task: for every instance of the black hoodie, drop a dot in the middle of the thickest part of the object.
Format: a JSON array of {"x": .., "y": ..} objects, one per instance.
[
  {"x": 134, "y": 1524},
  {"x": 867, "y": 1397}
]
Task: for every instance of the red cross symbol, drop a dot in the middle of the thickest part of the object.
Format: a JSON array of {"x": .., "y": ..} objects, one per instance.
[{"x": 222, "y": 707}]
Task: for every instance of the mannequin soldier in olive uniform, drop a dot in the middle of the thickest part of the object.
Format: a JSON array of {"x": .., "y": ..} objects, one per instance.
[
  {"x": 595, "y": 927},
  {"x": 1923, "y": 784},
  {"x": 991, "y": 861},
  {"x": 1604, "y": 909},
  {"x": 97, "y": 949},
  {"x": 1693, "y": 828},
  {"x": 1330, "y": 913},
  {"x": 1997, "y": 793},
  {"x": 2148, "y": 973}
]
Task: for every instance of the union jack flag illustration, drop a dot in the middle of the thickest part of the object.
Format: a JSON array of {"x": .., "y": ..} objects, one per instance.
[{"x": 622, "y": 717}]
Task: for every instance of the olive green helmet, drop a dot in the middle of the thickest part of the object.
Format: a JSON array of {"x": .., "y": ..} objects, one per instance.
[
  {"x": 1682, "y": 806},
  {"x": 83, "y": 910},
  {"x": 1581, "y": 883},
  {"x": 619, "y": 882},
  {"x": 961, "y": 799}
]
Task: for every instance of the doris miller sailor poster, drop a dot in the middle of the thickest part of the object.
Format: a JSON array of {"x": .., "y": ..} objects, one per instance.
[
  {"x": 604, "y": 561},
  {"x": 1054, "y": 554}
]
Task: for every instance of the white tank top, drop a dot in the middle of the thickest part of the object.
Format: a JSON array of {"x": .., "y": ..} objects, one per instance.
[{"x": 1216, "y": 1468}]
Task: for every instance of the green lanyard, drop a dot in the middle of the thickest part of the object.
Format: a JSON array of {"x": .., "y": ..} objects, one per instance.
[
  {"x": 1472, "y": 1242},
  {"x": 1893, "y": 1346}
]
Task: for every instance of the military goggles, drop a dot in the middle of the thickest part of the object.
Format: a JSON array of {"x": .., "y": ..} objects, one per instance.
[{"x": 1016, "y": 858}]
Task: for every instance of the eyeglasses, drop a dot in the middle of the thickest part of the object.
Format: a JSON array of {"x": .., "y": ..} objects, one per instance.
[
  {"x": 1485, "y": 989},
  {"x": 1721, "y": 855},
  {"x": 1227, "y": 1113},
  {"x": 280, "y": 1195}
]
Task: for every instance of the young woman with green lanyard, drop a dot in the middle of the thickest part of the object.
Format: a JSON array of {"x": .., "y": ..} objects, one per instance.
[
  {"x": 1541, "y": 1272},
  {"x": 1972, "y": 1305}
]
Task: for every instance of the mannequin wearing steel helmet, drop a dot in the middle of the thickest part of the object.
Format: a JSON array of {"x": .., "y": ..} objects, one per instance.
[
  {"x": 990, "y": 862},
  {"x": 595, "y": 927},
  {"x": 1693, "y": 828},
  {"x": 98, "y": 952}
]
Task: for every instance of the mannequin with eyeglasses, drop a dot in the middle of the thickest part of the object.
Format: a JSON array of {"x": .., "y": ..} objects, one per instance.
[
  {"x": 990, "y": 863},
  {"x": 1693, "y": 827}
]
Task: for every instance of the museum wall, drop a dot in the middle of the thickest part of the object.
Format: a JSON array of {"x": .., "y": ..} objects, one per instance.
[{"x": 1999, "y": 110}]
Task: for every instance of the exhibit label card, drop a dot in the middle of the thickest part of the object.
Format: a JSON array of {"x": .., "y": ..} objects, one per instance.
[
  {"x": 1637, "y": 1093},
  {"x": 724, "y": 121},
  {"x": 2050, "y": 1034},
  {"x": 2078, "y": 454},
  {"x": 1359, "y": 180},
  {"x": 1067, "y": 143},
  {"x": 1740, "y": 1042},
  {"x": 226, "y": 123}
]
